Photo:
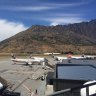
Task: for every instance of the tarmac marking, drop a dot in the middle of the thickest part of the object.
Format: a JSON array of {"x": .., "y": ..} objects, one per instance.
[
  {"x": 2, "y": 71},
  {"x": 24, "y": 86},
  {"x": 28, "y": 89}
]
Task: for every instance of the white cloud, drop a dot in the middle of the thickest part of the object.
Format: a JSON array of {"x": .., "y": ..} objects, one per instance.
[
  {"x": 27, "y": 8},
  {"x": 59, "y": 14},
  {"x": 8, "y": 28},
  {"x": 72, "y": 4},
  {"x": 63, "y": 20},
  {"x": 34, "y": 8},
  {"x": 45, "y": 6},
  {"x": 54, "y": 24}
]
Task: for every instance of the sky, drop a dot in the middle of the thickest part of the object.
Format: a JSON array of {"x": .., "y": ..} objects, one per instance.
[{"x": 18, "y": 15}]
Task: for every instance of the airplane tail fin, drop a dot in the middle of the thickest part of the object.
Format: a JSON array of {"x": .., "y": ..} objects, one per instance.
[
  {"x": 13, "y": 56},
  {"x": 82, "y": 55},
  {"x": 30, "y": 56},
  {"x": 53, "y": 55},
  {"x": 69, "y": 56}
]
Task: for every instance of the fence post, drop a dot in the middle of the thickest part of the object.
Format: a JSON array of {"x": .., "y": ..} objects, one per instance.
[{"x": 87, "y": 91}]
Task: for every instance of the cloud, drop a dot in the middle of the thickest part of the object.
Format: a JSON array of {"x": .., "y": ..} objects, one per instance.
[
  {"x": 45, "y": 6},
  {"x": 54, "y": 23},
  {"x": 8, "y": 28},
  {"x": 63, "y": 14},
  {"x": 27, "y": 8},
  {"x": 63, "y": 20},
  {"x": 34, "y": 8},
  {"x": 69, "y": 4}
]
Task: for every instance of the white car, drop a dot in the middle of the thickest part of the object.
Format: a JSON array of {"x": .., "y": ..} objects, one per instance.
[{"x": 92, "y": 89}]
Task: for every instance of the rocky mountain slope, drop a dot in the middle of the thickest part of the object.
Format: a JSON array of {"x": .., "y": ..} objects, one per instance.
[{"x": 78, "y": 38}]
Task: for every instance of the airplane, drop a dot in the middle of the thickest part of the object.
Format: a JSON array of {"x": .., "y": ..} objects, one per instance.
[
  {"x": 30, "y": 61},
  {"x": 78, "y": 57},
  {"x": 90, "y": 57},
  {"x": 58, "y": 58},
  {"x": 69, "y": 56}
]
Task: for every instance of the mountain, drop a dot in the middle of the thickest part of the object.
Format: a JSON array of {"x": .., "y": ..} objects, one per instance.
[{"x": 78, "y": 38}]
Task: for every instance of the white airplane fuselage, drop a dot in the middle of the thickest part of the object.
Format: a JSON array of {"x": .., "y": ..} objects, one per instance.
[
  {"x": 58, "y": 58},
  {"x": 28, "y": 61}
]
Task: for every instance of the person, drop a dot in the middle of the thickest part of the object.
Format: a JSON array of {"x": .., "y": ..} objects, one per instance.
[{"x": 36, "y": 91}]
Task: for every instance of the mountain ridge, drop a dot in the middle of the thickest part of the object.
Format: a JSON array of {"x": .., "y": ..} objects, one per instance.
[{"x": 78, "y": 38}]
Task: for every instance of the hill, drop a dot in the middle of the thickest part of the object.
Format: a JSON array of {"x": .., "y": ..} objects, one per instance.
[{"x": 78, "y": 38}]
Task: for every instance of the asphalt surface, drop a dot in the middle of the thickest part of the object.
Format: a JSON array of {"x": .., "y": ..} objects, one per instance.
[{"x": 25, "y": 79}]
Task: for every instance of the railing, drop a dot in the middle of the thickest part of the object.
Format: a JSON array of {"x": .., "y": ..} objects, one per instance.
[{"x": 73, "y": 91}]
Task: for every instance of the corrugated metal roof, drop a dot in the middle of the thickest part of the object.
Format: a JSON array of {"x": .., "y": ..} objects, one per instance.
[{"x": 76, "y": 71}]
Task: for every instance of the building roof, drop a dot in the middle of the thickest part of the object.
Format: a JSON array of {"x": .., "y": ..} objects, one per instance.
[{"x": 76, "y": 71}]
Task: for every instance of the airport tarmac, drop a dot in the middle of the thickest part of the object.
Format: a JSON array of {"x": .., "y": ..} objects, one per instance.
[{"x": 25, "y": 79}]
